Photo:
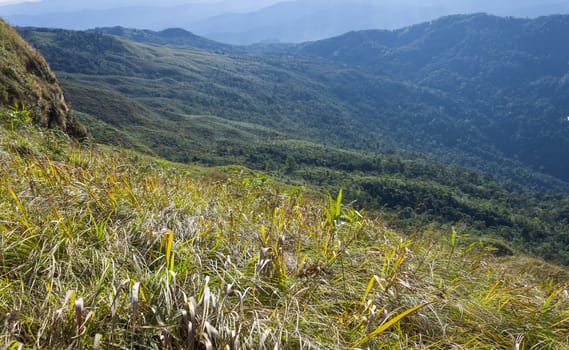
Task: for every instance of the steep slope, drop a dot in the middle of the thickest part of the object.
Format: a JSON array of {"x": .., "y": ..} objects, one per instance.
[
  {"x": 510, "y": 75},
  {"x": 26, "y": 80},
  {"x": 112, "y": 249}
]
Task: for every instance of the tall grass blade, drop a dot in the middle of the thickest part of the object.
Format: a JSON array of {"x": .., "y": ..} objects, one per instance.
[
  {"x": 169, "y": 241},
  {"x": 387, "y": 325},
  {"x": 79, "y": 318},
  {"x": 16, "y": 346}
]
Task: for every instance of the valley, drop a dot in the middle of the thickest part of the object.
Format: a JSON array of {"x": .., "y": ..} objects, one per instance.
[{"x": 419, "y": 151}]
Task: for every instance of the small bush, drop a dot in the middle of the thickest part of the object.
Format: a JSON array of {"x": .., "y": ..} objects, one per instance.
[{"x": 16, "y": 118}]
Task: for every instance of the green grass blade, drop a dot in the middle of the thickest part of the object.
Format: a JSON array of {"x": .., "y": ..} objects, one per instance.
[
  {"x": 387, "y": 325},
  {"x": 339, "y": 205}
]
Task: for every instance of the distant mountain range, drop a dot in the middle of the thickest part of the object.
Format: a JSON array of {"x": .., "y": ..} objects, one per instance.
[
  {"x": 308, "y": 20},
  {"x": 249, "y": 22},
  {"x": 145, "y": 17}
]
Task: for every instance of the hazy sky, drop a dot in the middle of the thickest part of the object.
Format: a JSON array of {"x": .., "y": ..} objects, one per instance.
[
  {"x": 259, "y": 2},
  {"x": 62, "y": 5},
  {"x": 2, "y": 2},
  {"x": 248, "y": 4}
]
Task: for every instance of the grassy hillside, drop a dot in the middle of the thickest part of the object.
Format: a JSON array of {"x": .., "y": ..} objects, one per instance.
[
  {"x": 172, "y": 36},
  {"x": 105, "y": 248}
]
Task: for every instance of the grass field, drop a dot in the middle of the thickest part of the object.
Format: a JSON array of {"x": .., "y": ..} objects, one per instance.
[{"x": 105, "y": 248}]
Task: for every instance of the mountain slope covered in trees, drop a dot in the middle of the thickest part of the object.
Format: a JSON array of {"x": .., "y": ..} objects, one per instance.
[
  {"x": 459, "y": 122},
  {"x": 318, "y": 122},
  {"x": 511, "y": 77}
]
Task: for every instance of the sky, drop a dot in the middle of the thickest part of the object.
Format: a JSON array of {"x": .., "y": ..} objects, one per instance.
[
  {"x": 47, "y": 6},
  {"x": 249, "y": 4},
  {"x": 7, "y": 2}
]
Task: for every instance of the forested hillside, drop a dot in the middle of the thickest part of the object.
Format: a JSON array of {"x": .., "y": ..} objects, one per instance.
[
  {"x": 511, "y": 77},
  {"x": 381, "y": 137},
  {"x": 475, "y": 90}
]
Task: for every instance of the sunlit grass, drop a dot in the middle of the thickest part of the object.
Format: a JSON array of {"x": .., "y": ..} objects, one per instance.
[{"x": 103, "y": 248}]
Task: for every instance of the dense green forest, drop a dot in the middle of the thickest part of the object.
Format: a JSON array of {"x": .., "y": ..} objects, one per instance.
[
  {"x": 511, "y": 77},
  {"x": 397, "y": 144}
]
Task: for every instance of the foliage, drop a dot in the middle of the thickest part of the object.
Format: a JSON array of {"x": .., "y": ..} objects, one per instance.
[
  {"x": 107, "y": 248},
  {"x": 16, "y": 118}
]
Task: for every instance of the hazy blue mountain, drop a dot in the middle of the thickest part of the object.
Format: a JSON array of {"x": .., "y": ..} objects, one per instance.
[
  {"x": 143, "y": 17},
  {"x": 297, "y": 21},
  {"x": 54, "y": 6},
  {"x": 250, "y": 21},
  {"x": 71, "y": 6},
  {"x": 142, "y": 14}
]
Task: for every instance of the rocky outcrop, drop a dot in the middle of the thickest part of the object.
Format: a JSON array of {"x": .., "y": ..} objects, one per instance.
[{"x": 27, "y": 81}]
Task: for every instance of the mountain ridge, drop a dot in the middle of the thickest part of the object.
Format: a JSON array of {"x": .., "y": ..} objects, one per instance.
[
  {"x": 233, "y": 23},
  {"x": 170, "y": 36}
]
